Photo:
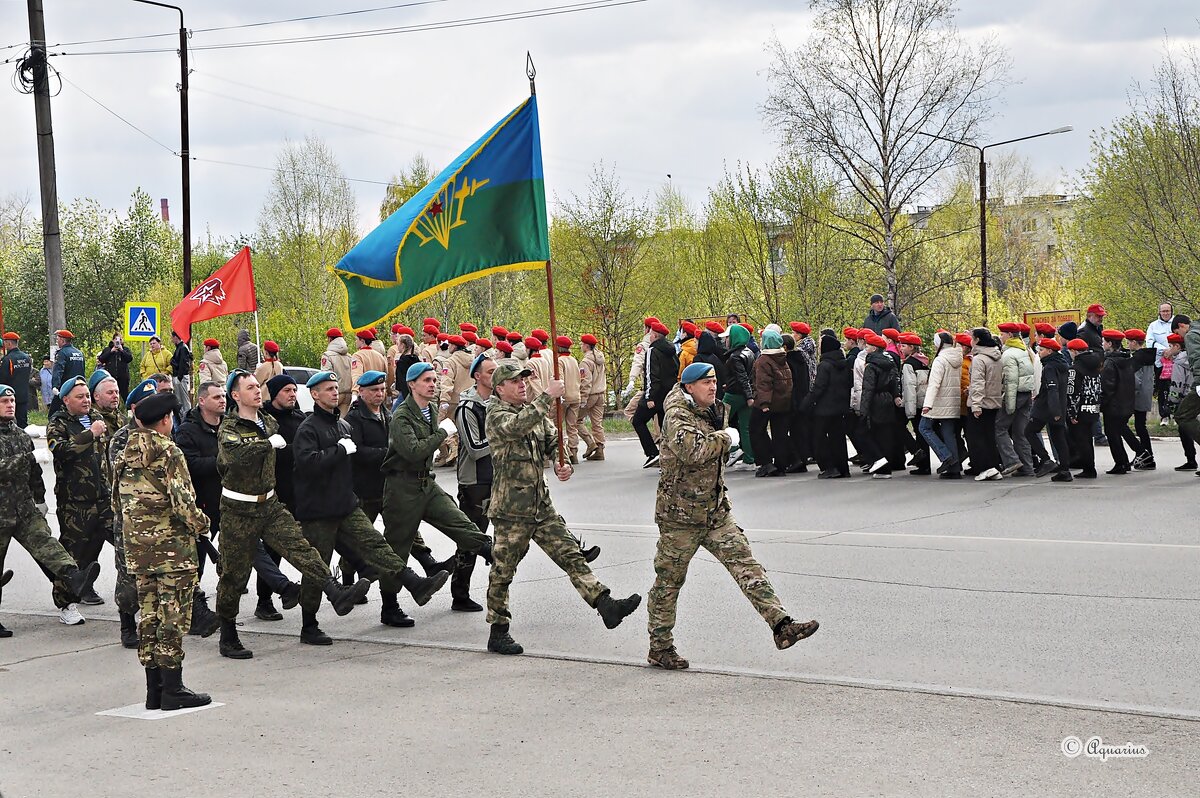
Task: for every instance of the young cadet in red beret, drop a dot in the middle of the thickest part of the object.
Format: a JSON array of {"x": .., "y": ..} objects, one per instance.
[
  {"x": 1083, "y": 405},
  {"x": 1050, "y": 412},
  {"x": 594, "y": 390},
  {"x": 1116, "y": 399},
  {"x": 337, "y": 360},
  {"x": 1143, "y": 397}
]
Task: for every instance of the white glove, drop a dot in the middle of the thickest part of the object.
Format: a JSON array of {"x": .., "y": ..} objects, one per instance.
[
  {"x": 348, "y": 445},
  {"x": 42, "y": 455},
  {"x": 1198, "y": 390},
  {"x": 735, "y": 437},
  {"x": 629, "y": 387},
  {"x": 277, "y": 441},
  {"x": 42, "y": 508},
  {"x": 447, "y": 426},
  {"x": 34, "y": 431}
]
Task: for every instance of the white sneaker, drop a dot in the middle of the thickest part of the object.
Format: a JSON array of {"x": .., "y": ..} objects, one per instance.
[
  {"x": 993, "y": 474},
  {"x": 70, "y": 615},
  {"x": 878, "y": 464},
  {"x": 881, "y": 476}
]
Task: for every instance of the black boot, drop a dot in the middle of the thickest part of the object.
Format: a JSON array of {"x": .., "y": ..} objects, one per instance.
[
  {"x": 265, "y": 611},
  {"x": 79, "y": 581},
  {"x": 5, "y": 631},
  {"x": 231, "y": 646},
  {"x": 290, "y": 596},
  {"x": 204, "y": 620},
  {"x": 460, "y": 585},
  {"x": 311, "y": 633},
  {"x": 153, "y": 688},
  {"x": 613, "y": 611},
  {"x": 431, "y": 566},
  {"x": 485, "y": 551},
  {"x": 501, "y": 642},
  {"x": 343, "y": 598},
  {"x": 129, "y": 630},
  {"x": 422, "y": 589},
  {"x": 175, "y": 695},
  {"x": 392, "y": 615}
]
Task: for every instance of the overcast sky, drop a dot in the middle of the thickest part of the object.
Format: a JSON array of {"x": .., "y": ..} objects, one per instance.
[{"x": 657, "y": 87}]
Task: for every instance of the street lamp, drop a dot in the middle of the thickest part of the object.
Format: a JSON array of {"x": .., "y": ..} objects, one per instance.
[{"x": 983, "y": 197}]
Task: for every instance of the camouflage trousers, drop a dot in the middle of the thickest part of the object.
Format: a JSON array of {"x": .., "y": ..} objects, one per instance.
[
  {"x": 510, "y": 545},
  {"x": 166, "y": 603},
  {"x": 362, "y": 543},
  {"x": 125, "y": 594},
  {"x": 728, "y": 544},
  {"x": 33, "y": 533},
  {"x": 83, "y": 528},
  {"x": 593, "y": 412},
  {"x": 243, "y": 524},
  {"x": 408, "y": 501}
]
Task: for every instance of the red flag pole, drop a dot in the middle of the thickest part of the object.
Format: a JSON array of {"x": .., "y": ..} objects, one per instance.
[{"x": 558, "y": 409}]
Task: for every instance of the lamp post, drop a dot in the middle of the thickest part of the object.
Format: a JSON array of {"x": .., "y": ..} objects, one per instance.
[
  {"x": 983, "y": 198},
  {"x": 184, "y": 145}
]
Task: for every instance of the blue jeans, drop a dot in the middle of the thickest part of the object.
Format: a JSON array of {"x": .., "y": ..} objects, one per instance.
[{"x": 942, "y": 436}]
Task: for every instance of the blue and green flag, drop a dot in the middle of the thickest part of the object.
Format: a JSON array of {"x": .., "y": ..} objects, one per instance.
[{"x": 484, "y": 213}]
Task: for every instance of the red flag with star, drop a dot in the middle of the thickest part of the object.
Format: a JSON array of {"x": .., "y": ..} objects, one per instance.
[{"x": 229, "y": 290}]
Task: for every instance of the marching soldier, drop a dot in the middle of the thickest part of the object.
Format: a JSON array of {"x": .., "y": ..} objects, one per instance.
[
  {"x": 693, "y": 510},
  {"x": 595, "y": 394},
  {"x": 364, "y": 360},
  {"x": 522, "y": 439},
  {"x": 250, "y": 512},
  {"x": 23, "y": 512},
  {"x": 474, "y": 473},
  {"x": 160, "y": 522},
  {"x": 16, "y": 368},
  {"x": 569, "y": 372}
]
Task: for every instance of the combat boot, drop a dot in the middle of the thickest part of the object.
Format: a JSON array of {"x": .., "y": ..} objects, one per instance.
[
  {"x": 667, "y": 658},
  {"x": 5, "y": 631},
  {"x": 422, "y": 588},
  {"x": 153, "y": 688},
  {"x": 231, "y": 646},
  {"x": 80, "y": 580},
  {"x": 392, "y": 615},
  {"x": 129, "y": 630},
  {"x": 343, "y": 598},
  {"x": 460, "y": 585},
  {"x": 485, "y": 551},
  {"x": 204, "y": 620},
  {"x": 290, "y": 596},
  {"x": 591, "y": 450},
  {"x": 789, "y": 632},
  {"x": 175, "y": 695},
  {"x": 613, "y": 611},
  {"x": 311, "y": 633},
  {"x": 590, "y": 553},
  {"x": 501, "y": 642},
  {"x": 430, "y": 565},
  {"x": 598, "y": 455}
]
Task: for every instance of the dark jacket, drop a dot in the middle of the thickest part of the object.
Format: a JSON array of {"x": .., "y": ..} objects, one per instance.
[
  {"x": 1116, "y": 384},
  {"x": 402, "y": 364},
  {"x": 1051, "y": 401},
  {"x": 830, "y": 394},
  {"x": 21, "y": 484},
  {"x": 664, "y": 371},
  {"x": 740, "y": 378},
  {"x": 412, "y": 441},
  {"x": 322, "y": 474},
  {"x": 199, "y": 444},
  {"x": 881, "y": 386},
  {"x": 289, "y": 422},
  {"x": 116, "y": 362},
  {"x": 181, "y": 361},
  {"x": 370, "y": 434},
  {"x": 247, "y": 353},
  {"x": 878, "y": 322},
  {"x": 16, "y": 368},
  {"x": 1093, "y": 334},
  {"x": 68, "y": 363},
  {"x": 1083, "y": 385},
  {"x": 772, "y": 382},
  {"x": 801, "y": 384},
  {"x": 710, "y": 351}
]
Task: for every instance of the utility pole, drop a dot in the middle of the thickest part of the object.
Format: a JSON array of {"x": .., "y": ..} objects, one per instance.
[{"x": 51, "y": 239}]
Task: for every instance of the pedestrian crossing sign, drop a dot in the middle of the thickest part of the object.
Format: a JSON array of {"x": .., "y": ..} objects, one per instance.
[{"x": 141, "y": 320}]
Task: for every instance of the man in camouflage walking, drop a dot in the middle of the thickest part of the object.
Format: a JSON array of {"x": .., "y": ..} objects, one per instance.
[
  {"x": 693, "y": 510},
  {"x": 23, "y": 511},
  {"x": 521, "y": 439},
  {"x": 160, "y": 523}
]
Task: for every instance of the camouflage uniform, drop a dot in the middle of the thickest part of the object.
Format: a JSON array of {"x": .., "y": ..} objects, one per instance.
[
  {"x": 693, "y": 510},
  {"x": 246, "y": 461},
  {"x": 21, "y": 490},
  {"x": 160, "y": 523},
  {"x": 521, "y": 439},
  {"x": 84, "y": 511},
  {"x": 125, "y": 594}
]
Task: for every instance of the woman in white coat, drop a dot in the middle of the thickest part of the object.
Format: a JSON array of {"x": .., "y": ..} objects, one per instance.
[{"x": 941, "y": 408}]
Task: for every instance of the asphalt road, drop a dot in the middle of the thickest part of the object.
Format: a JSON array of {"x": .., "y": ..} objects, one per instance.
[{"x": 966, "y": 629}]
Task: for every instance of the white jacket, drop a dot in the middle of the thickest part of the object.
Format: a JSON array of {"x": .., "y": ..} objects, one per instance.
[{"x": 943, "y": 396}]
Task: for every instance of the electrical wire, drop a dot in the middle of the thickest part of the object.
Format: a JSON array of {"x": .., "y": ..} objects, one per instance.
[{"x": 79, "y": 89}]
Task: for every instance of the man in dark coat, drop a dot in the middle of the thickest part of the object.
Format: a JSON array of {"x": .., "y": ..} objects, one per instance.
[
  {"x": 16, "y": 368},
  {"x": 661, "y": 374},
  {"x": 115, "y": 359},
  {"x": 1049, "y": 411},
  {"x": 829, "y": 403},
  {"x": 799, "y": 424},
  {"x": 880, "y": 317},
  {"x": 1116, "y": 399}
]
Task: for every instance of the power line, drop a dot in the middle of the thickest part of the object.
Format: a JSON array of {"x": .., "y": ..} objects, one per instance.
[
  {"x": 118, "y": 116},
  {"x": 512, "y": 16},
  {"x": 293, "y": 171}
]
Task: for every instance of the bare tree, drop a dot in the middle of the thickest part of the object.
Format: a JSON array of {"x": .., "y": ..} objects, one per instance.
[{"x": 858, "y": 95}]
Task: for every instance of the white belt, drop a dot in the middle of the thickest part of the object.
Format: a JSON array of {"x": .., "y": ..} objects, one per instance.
[{"x": 246, "y": 497}]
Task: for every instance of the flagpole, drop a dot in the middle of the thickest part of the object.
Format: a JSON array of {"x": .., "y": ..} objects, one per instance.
[{"x": 257, "y": 337}]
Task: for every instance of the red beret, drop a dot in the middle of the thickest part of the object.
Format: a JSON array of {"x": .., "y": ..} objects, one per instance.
[
  {"x": 1174, "y": 338},
  {"x": 800, "y": 327},
  {"x": 588, "y": 339},
  {"x": 1044, "y": 328},
  {"x": 405, "y": 330},
  {"x": 467, "y": 326},
  {"x": 1077, "y": 345},
  {"x": 432, "y": 321},
  {"x": 850, "y": 332},
  {"x": 963, "y": 339},
  {"x": 649, "y": 321},
  {"x": 470, "y": 337},
  {"x": 1135, "y": 335},
  {"x": 212, "y": 342},
  {"x": 429, "y": 329},
  {"x": 1113, "y": 335},
  {"x": 333, "y": 332},
  {"x": 660, "y": 328},
  {"x": 457, "y": 340},
  {"x": 64, "y": 334},
  {"x": 504, "y": 346},
  {"x": 532, "y": 344},
  {"x": 1097, "y": 309},
  {"x": 563, "y": 342},
  {"x": 11, "y": 336},
  {"x": 715, "y": 327},
  {"x": 912, "y": 339},
  {"x": 271, "y": 347},
  {"x": 1022, "y": 328},
  {"x": 485, "y": 343},
  {"x": 499, "y": 332},
  {"x": 515, "y": 337},
  {"x": 876, "y": 340},
  {"x": 749, "y": 327},
  {"x": 891, "y": 332},
  {"x": 540, "y": 334},
  {"x": 367, "y": 334},
  {"x": 1008, "y": 327},
  {"x": 397, "y": 328},
  {"x": 1050, "y": 343},
  {"x": 443, "y": 337},
  {"x": 689, "y": 328}
]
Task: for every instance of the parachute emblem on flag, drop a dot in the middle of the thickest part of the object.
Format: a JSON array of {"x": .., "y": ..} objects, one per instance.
[
  {"x": 211, "y": 291},
  {"x": 435, "y": 224}
]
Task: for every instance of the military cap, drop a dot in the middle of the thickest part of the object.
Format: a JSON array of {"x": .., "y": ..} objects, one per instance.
[
  {"x": 1050, "y": 343},
  {"x": 405, "y": 330},
  {"x": 660, "y": 328},
  {"x": 141, "y": 391},
  {"x": 1008, "y": 327},
  {"x": 271, "y": 347},
  {"x": 397, "y": 327},
  {"x": 892, "y": 333},
  {"x": 508, "y": 371},
  {"x": 1097, "y": 309},
  {"x": 333, "y": 332},
  {"x": 154, "y": 409},
  {"x": 416, "y": 370},
  {"x": 470, "y": 337},
  {"x": 540, "y": 334},
  {"x": 64, "y": 334},
  {"x": 1135, "y": 335},
  {"x": 749, "y": 327},
  {"x": 320, "y": 377},
  {"x": 499, "y": 332},
  {"x": 370, "y": 378},
  {"x": 467, "y": 326},
  {"x": 98, "y": 376},
  {"x": 429, "y": 329},
  {"x": 1113, "y": 335},
  {"x": 589, "y": 339},
  {"x": 964, "y": 339},
  {"x": 878, "y": 341},
  {"x": 563, "y": 342},
  {"x": 431, "y": 322},
  {"x": 1077, "y": 345},
  {"x": 475, "y": 364},
  {"x": 233, "y": 375},
  {"x": 514, "y": 337},
  {"x": 11, "y": 336},
  {"x": 484, "y": 342},
  {"x": 278, "y": 383},
  {"x": 696, "y": 371},
  {"x": 70, "y": 385},
  {"x": 7, "y": 390},
  {"x": 800, "y": 327},
  {"x": 533, "y": 344},
  {"x": 504, "y": 346}
]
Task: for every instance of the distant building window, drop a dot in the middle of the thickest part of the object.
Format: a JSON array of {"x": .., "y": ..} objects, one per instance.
[{"x": 1029, "y": 226}]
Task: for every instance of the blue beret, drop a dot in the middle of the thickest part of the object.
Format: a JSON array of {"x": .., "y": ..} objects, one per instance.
[
  {"x": 320, "y": 377},
  {"x": 233, "y": 375},
  {"x": 98, "y": 376},
  {"x": 371, "y": 378},
  {"x": 416, "y": 370},
  {"x": 475, "y": 364},
  {"x": 70, "y": 385},
  {"x": 144, "y": 388},
  {"x": 7, "y": 390},
  {"x": 697, "y": 371}
]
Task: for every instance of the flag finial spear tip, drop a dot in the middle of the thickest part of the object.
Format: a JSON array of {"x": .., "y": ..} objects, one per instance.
[{"x": 530, "y": 72}]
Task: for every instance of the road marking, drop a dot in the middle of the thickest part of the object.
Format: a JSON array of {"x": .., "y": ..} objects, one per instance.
[
  {"x": 915, "y": 535},
  {"x": 139, "y": 711}
]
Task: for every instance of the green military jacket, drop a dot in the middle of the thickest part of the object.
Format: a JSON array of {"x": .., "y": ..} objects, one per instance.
[
  {"x": 159, "y": 517},
  {"x": 114, "y": 419},
  {"x": 521, "y": 439},
  {"x": 21, "y": 485},
  {"x": 245, "y": 458},
  {"x": 78, "y": 459},
  {"x": 691, "y": 480},
  {"x": 412, "y": 440}
]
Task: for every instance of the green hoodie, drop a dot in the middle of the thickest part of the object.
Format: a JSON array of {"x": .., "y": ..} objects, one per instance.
[{"x": 738, "y": 336}]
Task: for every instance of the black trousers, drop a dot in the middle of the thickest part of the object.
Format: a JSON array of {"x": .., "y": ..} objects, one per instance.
[
  {"x": 773, "y": 447},
  {"x": 1116, "y": 428},
  {"x": 1141, "y": 440},
  {"x": 641, "y": 425},
  {"x": 1058, "y": 440},
  {"x": 1189, "y": 446},
  {"x": 1083, "y": 451},
  {"x": 831, "y": 444},
  {"x": 981, "y": 440},
  {"x": 800, "y": 437}
]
